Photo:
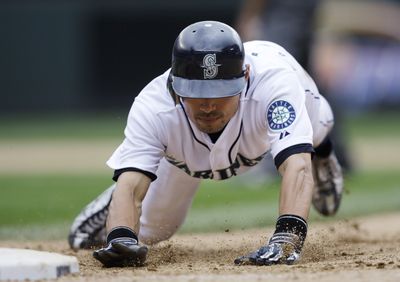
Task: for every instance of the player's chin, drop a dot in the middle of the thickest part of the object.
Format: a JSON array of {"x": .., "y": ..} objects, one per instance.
[{"x": 210, "y": 127}]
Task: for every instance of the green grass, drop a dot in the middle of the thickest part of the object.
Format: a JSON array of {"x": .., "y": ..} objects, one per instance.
[
  {"x": 44, "y": 206},
  {"x": 37, "y": 206},
  {"x": 373, "y": 125},
  {"x": 37, "y": 199},
  {"x": 220, "y": 206}
]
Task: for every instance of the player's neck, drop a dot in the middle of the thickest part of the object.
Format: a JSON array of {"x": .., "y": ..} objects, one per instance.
[{"x": 215, "y": 135}]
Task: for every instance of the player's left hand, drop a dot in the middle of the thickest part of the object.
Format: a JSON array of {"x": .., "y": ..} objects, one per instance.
[{"x": 281, "y": 249}]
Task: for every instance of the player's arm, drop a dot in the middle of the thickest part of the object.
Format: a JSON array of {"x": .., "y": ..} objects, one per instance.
[
  {"x": 123, "y": 247},
  {"x": 291, "y": 227},
  {"x": 297, "y": 185},
  {"x": 126, "y": 203}
]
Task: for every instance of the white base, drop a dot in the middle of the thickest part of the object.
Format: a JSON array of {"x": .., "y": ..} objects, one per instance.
[{"x": 21, "y": 264}]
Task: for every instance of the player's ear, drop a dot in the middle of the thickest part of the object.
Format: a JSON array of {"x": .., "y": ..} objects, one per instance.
[
  {"x": 171, "y": 90},
  {"x": 247, "y": 72}
]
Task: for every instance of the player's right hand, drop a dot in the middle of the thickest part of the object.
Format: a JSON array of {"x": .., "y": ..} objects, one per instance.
[{"x": 123, "y": 251}]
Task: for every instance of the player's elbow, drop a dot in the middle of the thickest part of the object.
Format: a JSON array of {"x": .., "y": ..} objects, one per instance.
[{"x": 298, "y": 164}]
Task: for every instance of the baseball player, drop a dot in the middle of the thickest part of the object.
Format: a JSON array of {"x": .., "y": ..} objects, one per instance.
[{"x": 217, "y": 112}]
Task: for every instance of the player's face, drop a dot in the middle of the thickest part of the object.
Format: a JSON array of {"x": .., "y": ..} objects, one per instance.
[{"x": 211, "y": 115}]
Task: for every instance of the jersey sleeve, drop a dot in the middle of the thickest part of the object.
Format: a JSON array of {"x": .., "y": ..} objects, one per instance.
[
  {"x": 142, "y": 147},
  {"x": 288, "y": 124}
]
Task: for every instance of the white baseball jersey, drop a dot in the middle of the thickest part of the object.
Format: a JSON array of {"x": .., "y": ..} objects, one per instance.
[{"x": 280, "y": 111}]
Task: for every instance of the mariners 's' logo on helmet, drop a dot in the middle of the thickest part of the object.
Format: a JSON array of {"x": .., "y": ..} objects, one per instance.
[
  {"x": 210, "y": 66},
  {"x": 280, "y": 114}
]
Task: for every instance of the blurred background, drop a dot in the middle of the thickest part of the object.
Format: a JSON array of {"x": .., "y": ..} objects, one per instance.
[{"x": 69, "y": 71}]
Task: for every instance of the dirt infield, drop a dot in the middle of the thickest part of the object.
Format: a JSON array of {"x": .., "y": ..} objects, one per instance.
[{"x": 363, "y": 249}]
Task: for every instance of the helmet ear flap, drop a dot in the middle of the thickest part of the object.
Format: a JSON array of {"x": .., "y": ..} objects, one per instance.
[{"x": 171, "y": 90}]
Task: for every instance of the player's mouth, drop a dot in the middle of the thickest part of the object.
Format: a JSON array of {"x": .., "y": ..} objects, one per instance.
[{"x": 208, "y": 118}]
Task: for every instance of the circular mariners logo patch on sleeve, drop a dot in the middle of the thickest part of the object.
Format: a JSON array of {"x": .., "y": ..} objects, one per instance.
[{"x": 280, "y": 114}]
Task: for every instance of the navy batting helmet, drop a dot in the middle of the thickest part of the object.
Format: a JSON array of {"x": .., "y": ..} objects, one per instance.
[{"x": 207, "y": 62}]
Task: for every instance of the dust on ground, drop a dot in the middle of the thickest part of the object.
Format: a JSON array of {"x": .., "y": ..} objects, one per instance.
[{"x": 362, "y": 249}]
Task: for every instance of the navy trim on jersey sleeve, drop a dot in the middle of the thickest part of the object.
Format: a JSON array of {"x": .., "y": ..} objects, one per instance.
[
  {"x": 295, "y": 149},
  {"x": 118, "y": 172}
]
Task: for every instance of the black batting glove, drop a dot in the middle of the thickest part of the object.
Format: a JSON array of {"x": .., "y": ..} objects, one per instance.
[
  {"x": 285, "y": 245},
  {"x": 122, "y": 249}
]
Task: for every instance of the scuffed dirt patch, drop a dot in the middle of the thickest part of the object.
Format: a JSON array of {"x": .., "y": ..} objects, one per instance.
[{"x": 363, "y": 249}]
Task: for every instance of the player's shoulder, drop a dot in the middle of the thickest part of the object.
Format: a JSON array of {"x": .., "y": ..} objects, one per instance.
[
  {"x": 273, "y": 73},
  {"x": 266, "y": 56},
  {"x": 264, "y": 49},
  {"x": 270, "y": 65},
  {"x": 155, "y": 96},
  {"x": 261, "y": 45}
]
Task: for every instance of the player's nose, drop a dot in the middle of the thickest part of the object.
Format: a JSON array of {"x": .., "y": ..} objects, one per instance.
[{"x": 207, "y": 106}]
